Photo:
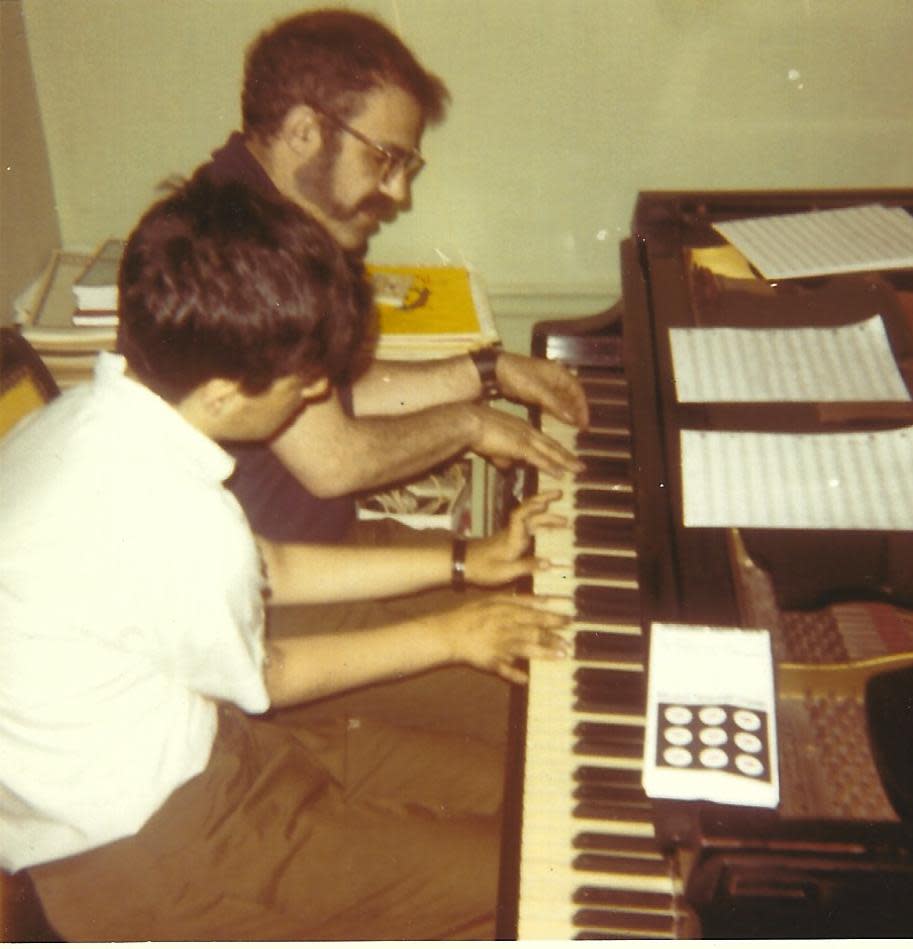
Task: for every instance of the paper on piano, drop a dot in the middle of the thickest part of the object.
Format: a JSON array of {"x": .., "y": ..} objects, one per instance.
[
  {"x": 843, "y": 240},
  {"x": 843, "y": 480},
  {"x": 711, "y": 731},
  {"x": 851, "y": 363}
]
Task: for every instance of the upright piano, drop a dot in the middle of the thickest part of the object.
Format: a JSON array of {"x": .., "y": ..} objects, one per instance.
[{"x": 587, "y": 854}]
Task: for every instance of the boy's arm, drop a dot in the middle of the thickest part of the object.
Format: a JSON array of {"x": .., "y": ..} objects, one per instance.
[
  {"x": 314, "y": 573},
  {"x": 489, "y": 635}
]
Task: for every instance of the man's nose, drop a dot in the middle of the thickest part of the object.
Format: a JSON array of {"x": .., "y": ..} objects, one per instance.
[{"x": 397, "y": 187}]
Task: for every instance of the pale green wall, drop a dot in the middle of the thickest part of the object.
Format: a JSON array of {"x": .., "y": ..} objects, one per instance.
[
  {"x": 28, "y": 222},
  {"x": 563, "y": 110}
]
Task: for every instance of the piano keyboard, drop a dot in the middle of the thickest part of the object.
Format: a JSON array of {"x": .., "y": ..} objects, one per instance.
[{"x": 590, "y": 867}]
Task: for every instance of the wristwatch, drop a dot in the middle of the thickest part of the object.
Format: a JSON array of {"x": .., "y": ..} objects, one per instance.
[{"x": 486, "y": 360}]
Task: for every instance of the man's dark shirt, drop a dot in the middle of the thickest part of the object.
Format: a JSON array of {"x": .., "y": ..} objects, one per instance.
[{"x": 277, "y": 505}]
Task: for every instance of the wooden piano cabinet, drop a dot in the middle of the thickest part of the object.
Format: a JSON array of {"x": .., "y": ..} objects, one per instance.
[{"x": 835, "y": 859}]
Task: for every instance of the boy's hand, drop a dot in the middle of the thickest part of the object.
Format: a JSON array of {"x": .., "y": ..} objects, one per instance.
[
  {"x": 496, "y": 560},
  {"x": 492, "y": 633}
]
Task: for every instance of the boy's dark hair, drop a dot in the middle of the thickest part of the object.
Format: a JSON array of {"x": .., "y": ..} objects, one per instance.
[
  {"x": 329, "y": 59},
  {"x": 217, "y": 281}
]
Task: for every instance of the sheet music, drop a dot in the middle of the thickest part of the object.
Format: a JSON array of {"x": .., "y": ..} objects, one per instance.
[
  {"x": 711, "y": 731},
  {"x": 811, "y": 243},
  {"x": 855, "y": 480},
  {"x": 803, "y": 364}
]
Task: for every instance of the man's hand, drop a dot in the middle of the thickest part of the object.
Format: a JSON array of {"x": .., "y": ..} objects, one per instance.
[
  {"x": 506, "y": 438},
  {"x": 544, "y": 383},
  {"x": 491, "y": 634},
  {"x": 495, "y": 560}
]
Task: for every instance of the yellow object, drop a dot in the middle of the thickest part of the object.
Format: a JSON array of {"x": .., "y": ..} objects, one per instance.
[{"x": 439, "y": 300}]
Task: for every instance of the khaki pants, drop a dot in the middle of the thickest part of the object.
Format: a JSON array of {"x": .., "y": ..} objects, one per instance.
[
  {"x": 370, "y": 815},
  {"x": 343, "y": 831}
]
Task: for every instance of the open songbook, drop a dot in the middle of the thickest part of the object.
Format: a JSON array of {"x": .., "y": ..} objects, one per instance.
[
  {"x": 711, "y": 730},
  {"x": 851, "y": 363},
  {"x": 832, "y": 481},
  {"x": 811, "y": 243}
]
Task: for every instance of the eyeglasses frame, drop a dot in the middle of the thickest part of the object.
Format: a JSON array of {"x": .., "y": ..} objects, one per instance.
[{"x": 410, "y": 161}]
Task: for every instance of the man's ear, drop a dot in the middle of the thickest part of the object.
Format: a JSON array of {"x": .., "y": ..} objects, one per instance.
[{"x": 301, "y": 131}]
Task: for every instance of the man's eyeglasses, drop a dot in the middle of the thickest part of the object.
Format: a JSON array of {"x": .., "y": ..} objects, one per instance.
[{"x": 395, "y": 160}]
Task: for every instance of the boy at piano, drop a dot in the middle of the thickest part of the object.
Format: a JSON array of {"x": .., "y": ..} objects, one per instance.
[{"x": 143, "y": 782}]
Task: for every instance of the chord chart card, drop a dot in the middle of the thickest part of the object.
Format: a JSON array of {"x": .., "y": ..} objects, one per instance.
[
  {"x": 711, "y": 721},
  {"x": 835, "y": 481},
  {"x": 812, "y": 243},
  {"x": 852, "y": 363}
]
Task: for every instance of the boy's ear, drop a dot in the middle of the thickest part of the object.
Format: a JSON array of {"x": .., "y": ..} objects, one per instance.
[
  {"x": 317, "y": 389},
  {"x": 217, "y": 396},
  {"x": 301, "y": 131}
]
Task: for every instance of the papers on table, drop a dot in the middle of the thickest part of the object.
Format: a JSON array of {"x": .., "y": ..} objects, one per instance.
[
  {"x": 855, "y": 480},
  {"x": 812, "y": 243},
  {"x": 711, "y": 724},
  {"x": 804, "y": 364}
]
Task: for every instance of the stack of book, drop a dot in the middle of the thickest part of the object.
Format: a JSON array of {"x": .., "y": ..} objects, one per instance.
[
  {"x": 70, "y": 312},
  {"x": 47, "y": 314},
  {"x": 430, "y": 312},
  {"x": 95, "y": 289}
]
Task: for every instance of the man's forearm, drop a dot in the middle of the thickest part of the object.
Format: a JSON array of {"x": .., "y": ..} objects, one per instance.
[
  {"x": 373, "y": 451},
  {"x": 392, "y": 388}
]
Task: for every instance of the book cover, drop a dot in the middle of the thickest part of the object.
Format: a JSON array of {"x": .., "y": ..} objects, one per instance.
[
  {"x": 426, "y": 312},
  {"x": 711, "y": 730},
  {"x": 96, "y": 287}
]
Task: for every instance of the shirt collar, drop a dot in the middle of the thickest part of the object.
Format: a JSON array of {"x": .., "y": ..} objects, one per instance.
[{"x": 159, "y": 421}]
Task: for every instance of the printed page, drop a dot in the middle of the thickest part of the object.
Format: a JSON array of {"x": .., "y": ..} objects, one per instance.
[
  {"x": 806, "y": 364},
  {"x": 711, "y": 731},
  {"x": 849, "y": 481},
  {"x": 811, "y": 243}
]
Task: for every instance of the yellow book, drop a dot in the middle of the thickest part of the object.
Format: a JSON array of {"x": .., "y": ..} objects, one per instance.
[{"x": 425, "y": 301}]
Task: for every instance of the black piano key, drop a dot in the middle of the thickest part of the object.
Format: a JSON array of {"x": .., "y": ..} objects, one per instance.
[
  {"x": 609, "y": 414},
  {"x": 626, "y": 925},
  {"x": 622, "y": 813},
  {"x": 604, "y": 499},
  {"x": 604, "y": 863},
  {"x": 594, "y": 748},
  {"x": 587, "y": 704},
  {"x": 616, "y": 843},
  {"x": 622, "y": 733},
  {"x": 605, "y": 566},
  {"x": 625, "y": 696},
  {"x": 602, "y": 441},
  {"x": 602, "y": 468},
  {"x": 618, "y": 777},
  {"x": 594, "y": 530},
  {"x": 600, "y": 793},
  {"x": 634, "y": 899},
  {"x": 590, "y": 644},
  {"x": 610, "y": 681},
  {"x": 594, "y": 604},
  {"x": 597, "y": 390}
]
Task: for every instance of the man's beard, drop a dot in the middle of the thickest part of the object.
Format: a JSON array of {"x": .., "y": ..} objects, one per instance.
[{"x": 314, "y": 181}]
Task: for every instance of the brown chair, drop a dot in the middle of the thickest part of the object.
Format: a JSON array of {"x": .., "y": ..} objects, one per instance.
[{"x": 25, "y": 384}]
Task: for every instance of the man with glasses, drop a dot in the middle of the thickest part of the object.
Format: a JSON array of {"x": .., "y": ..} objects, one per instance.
[{"x": 334, "y": 107}]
